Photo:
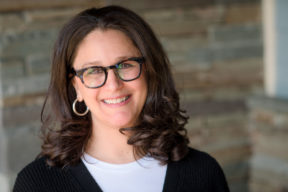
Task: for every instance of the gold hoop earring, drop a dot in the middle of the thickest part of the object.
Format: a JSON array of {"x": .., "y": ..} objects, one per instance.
[{"x": 76, "y": 112}]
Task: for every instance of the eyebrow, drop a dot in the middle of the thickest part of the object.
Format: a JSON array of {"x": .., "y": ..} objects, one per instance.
[
  {"x": 97, "y": 63},
  {"x": 92, "y": 63}
]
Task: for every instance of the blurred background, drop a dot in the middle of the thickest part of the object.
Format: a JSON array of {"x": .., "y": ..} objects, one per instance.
[{"x": 228, "y": 58}]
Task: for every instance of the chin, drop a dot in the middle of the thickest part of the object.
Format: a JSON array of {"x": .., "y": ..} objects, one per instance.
[
  {"x": 117, "y": 120},
  {"x": 122, "y": 120}
]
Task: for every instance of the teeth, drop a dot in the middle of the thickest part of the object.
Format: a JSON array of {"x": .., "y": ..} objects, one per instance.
[{"x": 115, "y": 101}]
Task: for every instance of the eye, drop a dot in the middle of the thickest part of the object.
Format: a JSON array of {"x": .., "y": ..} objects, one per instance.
[
  {"x": 126, "y": 65},
  {"x": 94, "y": 70}
]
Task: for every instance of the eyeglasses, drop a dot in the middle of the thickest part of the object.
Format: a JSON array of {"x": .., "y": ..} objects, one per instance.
[{"x": 96, "y": 76}]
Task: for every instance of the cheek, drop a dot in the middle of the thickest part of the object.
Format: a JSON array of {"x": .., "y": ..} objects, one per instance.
[
  {"x": 86, "y": 94},
  {"x": 89, "y": 94}
]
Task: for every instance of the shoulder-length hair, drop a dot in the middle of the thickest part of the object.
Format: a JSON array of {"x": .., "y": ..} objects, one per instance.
[{"x": 160, "y": 133}]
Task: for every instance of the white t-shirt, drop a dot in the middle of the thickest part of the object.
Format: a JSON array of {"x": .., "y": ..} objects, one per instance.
[{"x": 144, "y": 175}]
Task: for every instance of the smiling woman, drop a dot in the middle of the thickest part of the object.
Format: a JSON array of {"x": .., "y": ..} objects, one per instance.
[
  {"x": 112, "y": 120},
  {"x": 115, "y": 102}
]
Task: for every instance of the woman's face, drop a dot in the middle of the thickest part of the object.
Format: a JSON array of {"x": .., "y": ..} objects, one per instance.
[{"x": 117, "y": 103}]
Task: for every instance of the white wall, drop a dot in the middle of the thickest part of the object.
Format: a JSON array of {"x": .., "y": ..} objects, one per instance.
[{"x": 276, "y": 47}]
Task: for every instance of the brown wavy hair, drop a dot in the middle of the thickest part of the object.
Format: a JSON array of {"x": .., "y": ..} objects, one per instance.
[{"x": 161, "y": 131}]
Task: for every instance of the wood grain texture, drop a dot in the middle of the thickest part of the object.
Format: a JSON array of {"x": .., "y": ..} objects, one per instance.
[{"x": 17, "y": 5}]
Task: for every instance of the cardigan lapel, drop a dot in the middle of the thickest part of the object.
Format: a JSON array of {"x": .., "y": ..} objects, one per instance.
[
  {"x": 172, "y": 177},
  {"x": 82, "y": 175}
]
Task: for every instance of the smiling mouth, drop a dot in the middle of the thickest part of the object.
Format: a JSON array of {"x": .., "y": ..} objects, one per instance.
[{"x": 116, "y": 101}]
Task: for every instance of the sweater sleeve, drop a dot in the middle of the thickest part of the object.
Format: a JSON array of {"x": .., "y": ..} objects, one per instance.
[
  {"x": 29, "y": 179},
  {"x": 202, "y": 173},
  {"x": 38, "y": 176},
  {"x": 218, "y": 179}
]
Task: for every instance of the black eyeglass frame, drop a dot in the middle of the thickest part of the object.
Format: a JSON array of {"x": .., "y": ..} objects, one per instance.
[{"x": 79, "y": 73}]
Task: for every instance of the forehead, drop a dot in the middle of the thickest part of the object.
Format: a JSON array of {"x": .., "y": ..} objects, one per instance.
[{"x": 104, "y": 47}]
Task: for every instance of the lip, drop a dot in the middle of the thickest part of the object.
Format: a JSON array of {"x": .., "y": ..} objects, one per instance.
[{"x": 117, "y": 104}]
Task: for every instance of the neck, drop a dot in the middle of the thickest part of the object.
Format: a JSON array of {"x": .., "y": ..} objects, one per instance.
[{"x": 109, "y": 145}]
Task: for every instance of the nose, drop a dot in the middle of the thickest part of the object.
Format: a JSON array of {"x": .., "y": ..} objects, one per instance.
[{"x": 113, "y": 82}]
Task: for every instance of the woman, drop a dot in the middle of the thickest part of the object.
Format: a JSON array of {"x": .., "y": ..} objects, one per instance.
[{"x": 111, "y": 120}]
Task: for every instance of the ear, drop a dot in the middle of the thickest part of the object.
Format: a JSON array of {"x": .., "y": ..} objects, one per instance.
[{"x": 77, "y": 89}]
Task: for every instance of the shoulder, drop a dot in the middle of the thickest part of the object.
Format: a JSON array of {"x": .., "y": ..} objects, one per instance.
[
  {"x": 197, "y": 158},
  {"x": 38, "y": 163},
  {"x": 37, "y": 168},
  {"x": 199, "y": 161},
  {"x": 32, "y": 176},
  {"x": 34, "y": 168},
  {"x": 39, "y": 176},
  {"x": 199, "y": 171}
]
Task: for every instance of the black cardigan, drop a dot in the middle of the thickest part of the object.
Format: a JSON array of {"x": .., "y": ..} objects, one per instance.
[{"x": 197, "y": 172}]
